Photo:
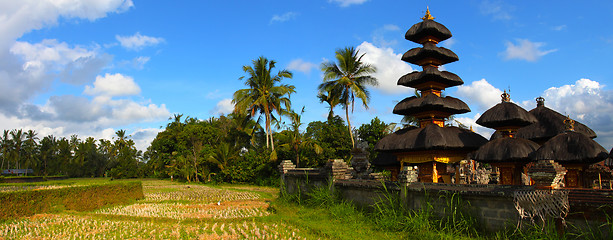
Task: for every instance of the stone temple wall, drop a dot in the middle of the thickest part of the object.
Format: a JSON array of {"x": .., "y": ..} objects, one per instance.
[{"x": 492, "y": 205}]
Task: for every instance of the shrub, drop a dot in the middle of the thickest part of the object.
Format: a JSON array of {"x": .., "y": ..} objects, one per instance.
[{"x": 80, "y": 198}]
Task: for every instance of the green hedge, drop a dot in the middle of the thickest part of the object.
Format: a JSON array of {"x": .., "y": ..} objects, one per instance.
[{"x": 80, "y": 198}]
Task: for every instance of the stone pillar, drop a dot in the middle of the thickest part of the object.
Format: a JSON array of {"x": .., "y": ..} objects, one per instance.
[
  {"x": 337, "y": 169},
  {"x": 360, "y": 163},
  {"x": 286, "y": 165},
  {"x": 407, "y": 175},
  {"x": 547, "y": 174}
]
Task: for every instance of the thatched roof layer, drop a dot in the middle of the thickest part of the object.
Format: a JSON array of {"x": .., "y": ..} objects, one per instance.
[
  {"x": 427, "y": 28},
  {"x": 430, "y": 74},
  {"x": 505, "y": 150},
  {"x": 431, "y": 102},
  {"x": 550, "y": 123},
  {"x": 429, "y": 50},
  {"x": 571, "y": 147},
  {"x": 385, "y": 159},
  {"x": 506, "y": 114},
  {"x": 431, "y": 137}
]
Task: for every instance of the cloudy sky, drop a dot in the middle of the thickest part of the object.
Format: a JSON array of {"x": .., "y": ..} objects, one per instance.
[{"x": 92, "y": 67}]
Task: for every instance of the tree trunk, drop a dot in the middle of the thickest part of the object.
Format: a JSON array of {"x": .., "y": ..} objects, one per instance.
[
  {"x": 349, "y": 125},
  {"x": 195, "y": 164},
  {"x": 266, "y": 127}
]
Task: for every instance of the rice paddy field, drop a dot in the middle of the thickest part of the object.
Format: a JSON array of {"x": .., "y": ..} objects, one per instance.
[{"x": 172, "y": 210}]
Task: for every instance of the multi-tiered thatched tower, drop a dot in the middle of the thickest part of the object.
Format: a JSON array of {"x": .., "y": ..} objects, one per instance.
[{"x": 433, "y": 144}]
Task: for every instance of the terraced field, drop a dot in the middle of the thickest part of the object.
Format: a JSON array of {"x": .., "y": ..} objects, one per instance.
[{"x": 169, "y": 211}]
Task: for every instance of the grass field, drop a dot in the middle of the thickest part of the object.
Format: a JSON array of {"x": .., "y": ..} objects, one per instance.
[{"x": 172, "y": 210}]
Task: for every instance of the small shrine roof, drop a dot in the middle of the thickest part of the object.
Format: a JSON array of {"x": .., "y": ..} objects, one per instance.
[
  {"x": 550, "y": 123},
  {"x": 571, "y": 147},
  {"x": 506, "y": 114},
  {"x": 505, "y": 150}
]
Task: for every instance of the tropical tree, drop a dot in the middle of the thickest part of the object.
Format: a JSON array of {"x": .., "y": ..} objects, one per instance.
[
  {"x": 265, "y": 93},
  {"x": 17, "y": 140},
  {"x": 31, "y": 148},
  {"x": 5, "y": 149},
  {"x": 295, "y": 140},
  {"x": 347, "y": 80},
  {"x": 330, "y": 99}
]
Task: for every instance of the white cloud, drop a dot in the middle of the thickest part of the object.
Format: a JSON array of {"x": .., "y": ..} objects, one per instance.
[
  {"x": 587, "y": 101},
  {"x": 347, "y": 3},
  {"x": 224, "y": 106},
  {"x": 497, "y": 9},
  {"x": 525, "y": 50},
  {"x": 283, "y": 17},
  {"x": 301, "y": 66},
  {"x": 137, "y": 41},
  {"x": 559, "y": 28},
  {"x": 472, "y": 122},
  {"x": 113, "y": 85},
  {"x": 448, "y": 43},
  {"x": 480, "y": 93},
  {"x": 389, "y": 67},
  {"x": 19, "y": 17},
  {"x": 378, "y": 35}
]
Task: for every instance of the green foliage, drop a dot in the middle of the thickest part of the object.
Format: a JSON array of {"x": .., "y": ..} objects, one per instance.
[
  {"x": 332, "y": 137},
  {"x": 372, "y": 133},
  {"x": 79, "y": 198}
]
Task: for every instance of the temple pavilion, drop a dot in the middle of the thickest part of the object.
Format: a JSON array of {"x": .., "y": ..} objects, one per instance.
[{"x": 432, "y": 144}]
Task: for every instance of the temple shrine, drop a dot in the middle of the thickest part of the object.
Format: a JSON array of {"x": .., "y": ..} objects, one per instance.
[{"x": 433, "y": 144}]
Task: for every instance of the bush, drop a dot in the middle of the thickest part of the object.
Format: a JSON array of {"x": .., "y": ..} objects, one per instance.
[{"x": 81, "y": 198}]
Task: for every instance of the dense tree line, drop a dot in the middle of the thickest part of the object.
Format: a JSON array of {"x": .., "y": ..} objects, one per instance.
[
  {"x": 239, "y": 147},
  {"x": 72, "y": 156}
]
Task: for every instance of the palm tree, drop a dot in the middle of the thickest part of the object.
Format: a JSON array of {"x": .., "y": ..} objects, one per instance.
[
  {"x": 31, "y": 147},
  {"x": 5, "y": 149},
  {"x": 330, "y": 100},
  {"x": 17, "y": 139},
  {"x": 295, "y": 140},
  {"x": 347, "y": 80},
  {"x": 264, "y": 95}
]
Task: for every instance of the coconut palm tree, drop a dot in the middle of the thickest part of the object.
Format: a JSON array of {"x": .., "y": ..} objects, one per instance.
[
  {"x": 330, "y": 100},
  {"x": 265, "y": 93},
  {"x": 347, "y": 80},
  {"x": 31, "y": 148},
  {"x": 5, "y": 149},
  {"x": 293, "y": 139},
  {"x": 17, "y": 139}
]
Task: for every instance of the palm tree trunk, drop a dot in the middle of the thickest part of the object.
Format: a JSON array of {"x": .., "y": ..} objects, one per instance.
[
  {"x": 266, "y": 127},
  {"x": 349, "y": 125}
]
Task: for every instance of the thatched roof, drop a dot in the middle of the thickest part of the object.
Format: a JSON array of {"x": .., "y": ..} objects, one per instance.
[
  {"x": 416, "y": 55},
  {"x": 431, "y": 137},
  {"x": 426, "y": 28},
  {"x": 506, "y": 114},
  {"x": 430, "y": 74},
  {"x": 571, "y": 147},
  {"x": 505, "y": 150},
  {"x": 550, "y": 123},
  {"x": 431, "y": 102},
  {"x": 385, "y": 159}
]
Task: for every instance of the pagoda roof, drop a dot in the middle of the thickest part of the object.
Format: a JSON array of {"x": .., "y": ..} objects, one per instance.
[
  {"x": 431, "y": 102},
  {"x": 506, "y": 114},
  {"x": 430, "y": 74},
  {"x": 430, "y": 137},
  {"x": 505, "y": 150},
  {"x": 384, "y": 159},
  {"x": 429, "y": 51},
  {"x": 571, "y": 147},
  {"x": 550, "y": 123},
  {"x": 427, "y": 28}
]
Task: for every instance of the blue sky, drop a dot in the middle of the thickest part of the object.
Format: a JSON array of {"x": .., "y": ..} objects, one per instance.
[{"x": 92, "y": 67}]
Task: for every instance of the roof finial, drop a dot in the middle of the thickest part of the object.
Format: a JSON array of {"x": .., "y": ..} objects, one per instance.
[
  {"x": 505, "y": 96},
  {"x": 540, "y": 102},
  {"x": 428, "y": 16},
  {"x": 569, "y": 124}
]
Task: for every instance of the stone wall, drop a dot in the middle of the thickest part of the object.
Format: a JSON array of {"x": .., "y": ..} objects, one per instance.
[{"x": 492, "y": 205}]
